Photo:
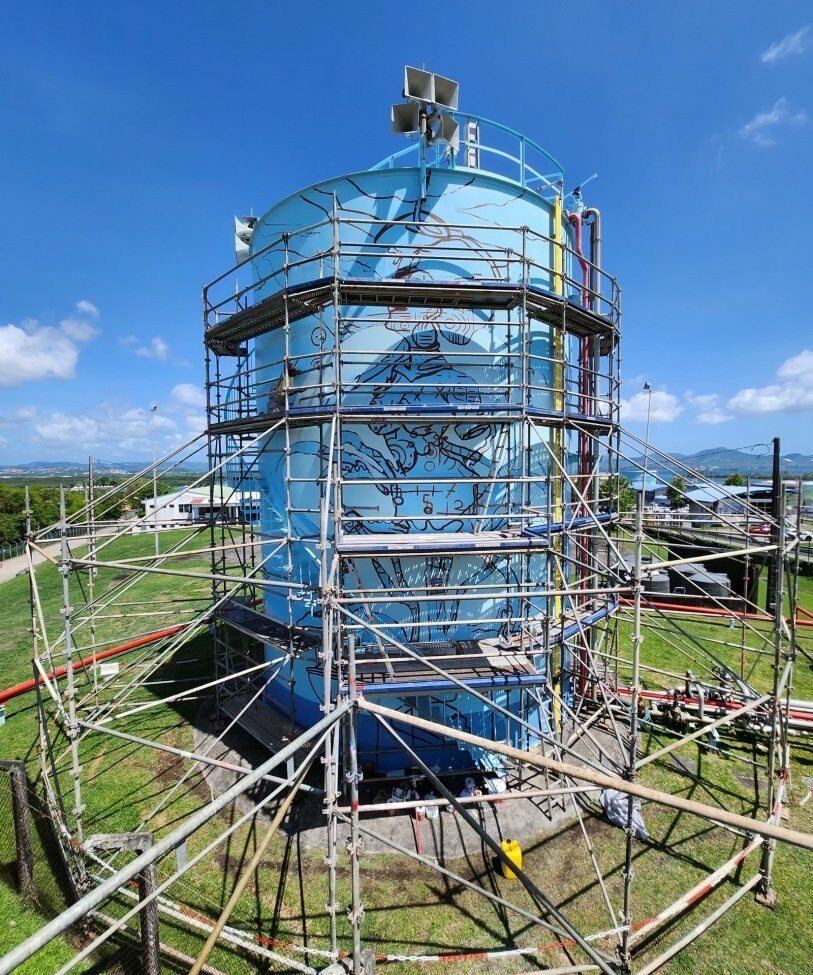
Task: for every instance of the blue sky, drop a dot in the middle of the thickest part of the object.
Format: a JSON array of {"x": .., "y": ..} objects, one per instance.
[{"x": 133, "y": 132}]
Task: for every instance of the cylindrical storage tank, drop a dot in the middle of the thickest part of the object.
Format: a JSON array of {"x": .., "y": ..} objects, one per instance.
[
  {"x": 421, "y": 362},
  {"x": 712, "y": 584},
  {"x": 680, "y": 576},
  {"x": 412, "y": 414},
  {"x": 657, "y": 584}
]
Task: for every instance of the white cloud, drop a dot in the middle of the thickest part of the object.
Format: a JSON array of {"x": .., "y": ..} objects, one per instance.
[
  {"x": 138, "y": 421},
  {"x": 117, "y": 431},
  {"x": 60, "y": 428},
  {"x": 87, "y": 308},
  {"x": 714, "y": 416},
  {"x": 790, "y": 44},
  {"x": 798, "y": 367},
  {"x": 157, "y": 349},
  {"x": 709, "y": 409},
  {"x": 112, "y": 429},
  {"x": 761, "y": 130},
  {"x": 31, "y": 350},
  {"x": 791, "y": 393},
  {"x": 77, "y": 329},
  {"x": 664, "y": 407},
  {"x": 187, "y": 394}
]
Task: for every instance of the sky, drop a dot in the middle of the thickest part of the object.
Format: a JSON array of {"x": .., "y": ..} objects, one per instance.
[{"x": 132, "y": 133}]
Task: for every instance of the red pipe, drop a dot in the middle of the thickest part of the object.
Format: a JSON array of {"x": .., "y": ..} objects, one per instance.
[
  {"x": 575, "y": 221},
  {"x": 29, "y": 685},
  {"x": 707, "y": 611},
  {"x": 584, "y": 347},
  {"x": 695, "y": 702}
]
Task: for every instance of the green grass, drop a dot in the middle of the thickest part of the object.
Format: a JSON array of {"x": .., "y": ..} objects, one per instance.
[
  {"x": 408, "y": 908},
  {"x": 118, "y": 780},
  {"x": 750, "y": 938}
]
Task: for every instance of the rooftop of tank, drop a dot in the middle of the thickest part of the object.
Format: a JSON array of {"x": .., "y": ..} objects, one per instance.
[{"x": 543, "y": 186}]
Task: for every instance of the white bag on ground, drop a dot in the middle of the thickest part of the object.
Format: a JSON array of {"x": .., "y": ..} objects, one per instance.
[{"x": 616, "y": 809}]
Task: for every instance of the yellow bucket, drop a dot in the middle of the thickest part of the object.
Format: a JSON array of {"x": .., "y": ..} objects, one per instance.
[{"x": 513, "y": 851}]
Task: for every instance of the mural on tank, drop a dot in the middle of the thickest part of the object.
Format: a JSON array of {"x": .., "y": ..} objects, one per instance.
[{"x": 425, "y": 472}]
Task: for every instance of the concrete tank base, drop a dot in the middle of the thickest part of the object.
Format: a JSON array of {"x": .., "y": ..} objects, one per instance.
[{"x": 444, "y": 838}]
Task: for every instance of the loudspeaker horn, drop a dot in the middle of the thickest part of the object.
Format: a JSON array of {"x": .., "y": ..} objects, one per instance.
[
  {"x": 406, "y": 117},
  {"x": 419, "y": 85},
  {"x": 450, "y": 132},
  {"x": 447, "y": 92}
]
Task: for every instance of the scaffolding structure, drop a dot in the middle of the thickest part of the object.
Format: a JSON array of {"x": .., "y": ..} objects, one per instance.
[
  {"x": 515, "y": 495},
  {"x": 568, "y": 643},
  {"x": 78, "y": 701}
]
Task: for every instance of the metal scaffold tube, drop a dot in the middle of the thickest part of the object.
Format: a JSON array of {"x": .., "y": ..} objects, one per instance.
[
  {"x": 585, "y": 774},
  {"x": 633, "y": 727},
  {"x": 416, "y": 565},
  {"x": 159, "y": 849}
]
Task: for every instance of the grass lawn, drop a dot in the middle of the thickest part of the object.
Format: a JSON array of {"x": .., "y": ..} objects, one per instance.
[{"x": 409, "y": 908}]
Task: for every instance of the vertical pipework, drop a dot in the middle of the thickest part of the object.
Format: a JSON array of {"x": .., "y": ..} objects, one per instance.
[
  {"x": 575, "y": 221},
  {"x": 592, "y": 217},
  {"x": 583, "y": 538},
  {"x": 331, "y": 628},
  {"x": 776, "y": 508},
  {"x": 42, "y": 738},
  {"x": 776, "y": 751},
  {"x": 91, "y": 576}
]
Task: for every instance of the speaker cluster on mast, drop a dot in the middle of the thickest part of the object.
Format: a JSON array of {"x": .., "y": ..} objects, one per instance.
[{"x": 430, "y": 98}]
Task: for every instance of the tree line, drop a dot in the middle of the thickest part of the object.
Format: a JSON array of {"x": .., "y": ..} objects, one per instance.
[
  {"x": 621, "y": 488},
  {"x": 44, "y": 502}
]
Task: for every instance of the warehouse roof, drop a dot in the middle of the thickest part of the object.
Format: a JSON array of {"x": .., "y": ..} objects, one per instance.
[{"x": 714, "y": 493}]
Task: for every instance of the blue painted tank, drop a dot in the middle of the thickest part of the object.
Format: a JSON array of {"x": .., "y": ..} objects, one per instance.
[{"x": 428, "y": 450}]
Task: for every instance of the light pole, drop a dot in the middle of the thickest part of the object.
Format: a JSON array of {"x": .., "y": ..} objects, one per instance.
[
  {"x": 648, "y": 391},
  {"x": 153, "y": 411}
]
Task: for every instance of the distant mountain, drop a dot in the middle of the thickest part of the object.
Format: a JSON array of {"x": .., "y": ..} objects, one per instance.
[
  {"x": 725, "y": 460},
  {"x": 37, "y": 465},
  {"x": 71, "y": 468},
  {"x": 713, "y": 462}
]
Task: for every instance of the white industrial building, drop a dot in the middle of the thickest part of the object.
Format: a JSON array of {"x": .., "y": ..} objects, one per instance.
[{"x": 191, "y": 505}]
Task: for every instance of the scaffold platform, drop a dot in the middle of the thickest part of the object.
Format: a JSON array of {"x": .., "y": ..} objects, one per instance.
[{"x": 298, "y": 301}]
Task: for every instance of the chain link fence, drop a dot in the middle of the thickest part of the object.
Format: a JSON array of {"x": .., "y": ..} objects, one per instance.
[{"x": 11, "y": 551}]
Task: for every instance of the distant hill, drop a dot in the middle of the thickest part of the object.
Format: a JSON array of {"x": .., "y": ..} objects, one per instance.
[
  {"x": 714, "y": 462},
  {"x": 72, "y": 468},
  {"x": 725, "y": 460}
]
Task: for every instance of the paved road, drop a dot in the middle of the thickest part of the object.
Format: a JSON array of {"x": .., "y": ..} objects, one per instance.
[{"x": 13, "y": 567}]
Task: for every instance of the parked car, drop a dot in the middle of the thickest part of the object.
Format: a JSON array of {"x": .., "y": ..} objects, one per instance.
[{"x": 764, "y": 528}]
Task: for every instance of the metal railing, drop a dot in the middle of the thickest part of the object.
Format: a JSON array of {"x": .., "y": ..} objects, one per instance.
[
  {"x": 509, "y": 263},
  {"x": 516, "y": 158}
]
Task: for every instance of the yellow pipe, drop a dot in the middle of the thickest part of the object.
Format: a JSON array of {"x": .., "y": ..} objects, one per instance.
[{"x": 558, "y": 250}]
